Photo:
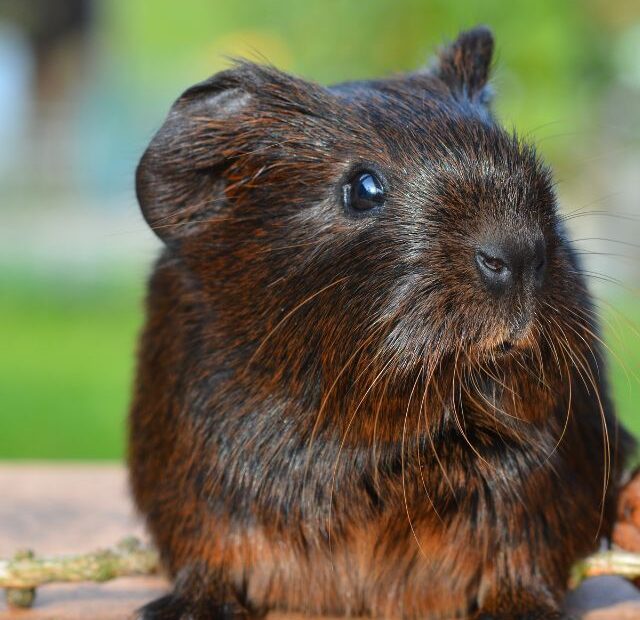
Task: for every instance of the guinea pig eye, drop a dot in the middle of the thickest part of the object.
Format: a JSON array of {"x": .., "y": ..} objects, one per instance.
[{"x": 364, "y": 192}]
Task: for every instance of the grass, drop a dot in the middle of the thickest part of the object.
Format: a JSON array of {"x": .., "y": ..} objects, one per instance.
[
  {"x": 66, "y": 367},
  {"x": 621, "y": 322},
  {"x": 68, "y": 357}
]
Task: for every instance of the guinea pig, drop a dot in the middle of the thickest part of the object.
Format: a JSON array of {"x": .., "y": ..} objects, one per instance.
[{"x": 371, "y": 380}]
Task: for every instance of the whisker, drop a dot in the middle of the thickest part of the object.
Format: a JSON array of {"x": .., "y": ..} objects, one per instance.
[
  {"x": 290, "y": 314},
  {"x": 327, "y": 395},
  {"x": 582, "y": 365},
  {"x": 342, "y": 442},
  {"x": 402, "y": 451}
]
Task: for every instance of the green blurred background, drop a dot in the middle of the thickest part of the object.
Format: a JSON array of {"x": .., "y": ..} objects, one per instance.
[{"x": 83, "y": 86}]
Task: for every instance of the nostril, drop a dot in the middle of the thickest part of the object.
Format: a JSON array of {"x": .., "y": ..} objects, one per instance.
[
  {"x": 491, "y": 263},
  {"x": 494, "y": 268},
  {"x": 510, "y": 261}
]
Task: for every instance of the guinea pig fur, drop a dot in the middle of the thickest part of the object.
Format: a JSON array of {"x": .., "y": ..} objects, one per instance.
[{"x": 371, "y": 380}]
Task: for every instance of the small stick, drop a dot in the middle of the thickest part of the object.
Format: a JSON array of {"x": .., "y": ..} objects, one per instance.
[
  {"x": 21, "y": 575},
  {"x": 620, "y": 563}
]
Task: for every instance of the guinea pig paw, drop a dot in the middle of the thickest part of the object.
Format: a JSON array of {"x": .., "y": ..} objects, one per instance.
[
  {"x": 169, "y": 607},
  {"x": 173, "y": 607}
]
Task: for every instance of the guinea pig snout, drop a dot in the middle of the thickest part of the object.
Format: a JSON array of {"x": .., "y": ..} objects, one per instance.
[{"x": 505, "y": 263}]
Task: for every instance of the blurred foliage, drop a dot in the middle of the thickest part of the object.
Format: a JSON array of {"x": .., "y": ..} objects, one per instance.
[
  {"x": 67, "y": 355},
  {"x": 66, "y": 366},
  {"x": 553, "y": 57}
]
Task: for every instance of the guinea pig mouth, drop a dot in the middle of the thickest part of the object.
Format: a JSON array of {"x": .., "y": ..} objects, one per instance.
[
  {"x": 495, "y": 349},
  {"x": 505, "y": 347},
  {"x": 502, "y": 344},
  {"x": 511, "y": 346}
]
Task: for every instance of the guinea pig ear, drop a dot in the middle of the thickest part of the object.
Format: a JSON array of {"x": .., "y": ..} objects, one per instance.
[
  {"x": 465, "y": 64},
  {"x": 179, "y": 180}
]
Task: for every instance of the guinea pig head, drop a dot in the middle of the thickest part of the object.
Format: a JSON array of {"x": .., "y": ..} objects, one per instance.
[{"x": 390, "y": 219}]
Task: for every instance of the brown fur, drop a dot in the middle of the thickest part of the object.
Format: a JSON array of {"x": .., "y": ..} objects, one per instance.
[{"x": 323, "y": 420}]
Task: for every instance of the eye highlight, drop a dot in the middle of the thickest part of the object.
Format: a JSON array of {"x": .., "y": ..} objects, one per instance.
[{"x": 363, "y": 192}]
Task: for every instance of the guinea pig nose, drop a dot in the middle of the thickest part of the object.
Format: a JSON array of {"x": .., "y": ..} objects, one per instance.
[
  {"x": 494, "y": 267},
  {"x": 501, "y": 264}
]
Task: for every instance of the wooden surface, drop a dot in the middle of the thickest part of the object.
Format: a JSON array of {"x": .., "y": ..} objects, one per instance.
[{"x": 59, "y": 509}]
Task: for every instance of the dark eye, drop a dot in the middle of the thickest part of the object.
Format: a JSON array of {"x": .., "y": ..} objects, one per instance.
[{"x": 364, "y": 192}]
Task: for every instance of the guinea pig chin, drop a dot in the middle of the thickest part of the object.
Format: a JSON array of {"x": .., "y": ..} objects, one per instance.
[{"x": 515, "y": 333}]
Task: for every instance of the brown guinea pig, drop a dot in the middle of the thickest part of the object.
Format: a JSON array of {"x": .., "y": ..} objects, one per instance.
[{"x": 371, "y": 381}]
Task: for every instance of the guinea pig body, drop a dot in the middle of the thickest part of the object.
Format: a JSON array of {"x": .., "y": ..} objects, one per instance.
[{"x": 371, "y": 381}]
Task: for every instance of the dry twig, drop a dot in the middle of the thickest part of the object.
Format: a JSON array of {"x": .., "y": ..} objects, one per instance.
[{"x": 21, "y": 575}]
